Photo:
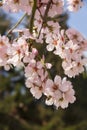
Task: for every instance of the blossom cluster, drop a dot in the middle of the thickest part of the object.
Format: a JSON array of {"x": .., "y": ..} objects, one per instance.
[
  {"x": 67, "y": 44},
  {"x": 55, "y": 8}
]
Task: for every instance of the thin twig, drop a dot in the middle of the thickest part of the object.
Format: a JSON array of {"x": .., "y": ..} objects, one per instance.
[
  {"x": 45, "y": 15},
  {"x": 10, "y": 31}
]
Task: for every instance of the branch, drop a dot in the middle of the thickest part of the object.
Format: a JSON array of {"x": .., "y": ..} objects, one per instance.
[
  {"x": 45, "y": 15},
  {"x": 32, "y": 16},
  {"x": 47, "y": 9}
]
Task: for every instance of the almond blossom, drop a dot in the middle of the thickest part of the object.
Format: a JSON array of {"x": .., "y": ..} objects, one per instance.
[
  {"x": 70, "y": 48},
  {"x": 74, "y": 67},
  {"x": 35, "y": 78},
  {"x": 4, "y": 46},
  {"x": 56, "y": 8},
  {"x": 59, "y": 93},
  {"x": 52, "y": 42},
  {"x": 17, "y": 5},
  {"x": 17, "y": 52},
  {"x": 74, "y": 5}
]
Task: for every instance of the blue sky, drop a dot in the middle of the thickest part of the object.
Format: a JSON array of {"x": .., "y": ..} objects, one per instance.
[{"x": 78, "y": 20}]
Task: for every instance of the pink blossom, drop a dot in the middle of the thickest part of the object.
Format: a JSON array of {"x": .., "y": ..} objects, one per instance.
[
  {"x": 4, "y": 56},
  {"x": 74, "y": 5},
  {"x": 56, "y": 8},
  {"x": 59, "y": 92},
  {"x": 75, "y": 67},
  {"x": 17, "y": 52},
  {"x": 17, "y": 5}
]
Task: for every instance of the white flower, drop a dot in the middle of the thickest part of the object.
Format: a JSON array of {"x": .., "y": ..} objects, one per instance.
[{"x": 74, "y": 5}]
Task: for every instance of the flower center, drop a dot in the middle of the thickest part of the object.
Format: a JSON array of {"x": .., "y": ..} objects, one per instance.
[
  {"x": 1, "y": 43},
  {"x": 55, "y": 42},
  {"x": 16, "y": 1},
  {"x": 55, "y": 87},
  {"x": 76, "y": 1}
]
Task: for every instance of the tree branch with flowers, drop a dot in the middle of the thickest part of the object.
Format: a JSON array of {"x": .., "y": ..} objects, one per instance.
[{"x": 69, "y": 45}]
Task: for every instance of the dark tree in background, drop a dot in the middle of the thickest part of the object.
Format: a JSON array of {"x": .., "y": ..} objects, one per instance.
[{"x": 20, "y": 111}]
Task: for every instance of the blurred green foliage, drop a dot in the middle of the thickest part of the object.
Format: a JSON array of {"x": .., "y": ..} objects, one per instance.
[
  {"x": 20, "y": 111},
  {"x": 4, "y": 22}
]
